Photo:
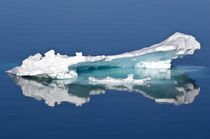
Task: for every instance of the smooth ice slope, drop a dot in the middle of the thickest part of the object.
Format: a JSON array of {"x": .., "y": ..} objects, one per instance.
[{"x": 158, "y": 56}]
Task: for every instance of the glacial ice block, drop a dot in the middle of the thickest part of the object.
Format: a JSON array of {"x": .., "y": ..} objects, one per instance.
[{"x": 157, "y": 56}]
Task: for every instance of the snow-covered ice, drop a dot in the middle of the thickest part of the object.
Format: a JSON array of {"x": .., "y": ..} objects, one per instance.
[{"x": 158, "y": 56}]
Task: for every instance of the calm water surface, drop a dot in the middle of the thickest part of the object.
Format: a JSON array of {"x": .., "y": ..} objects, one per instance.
[{"x": 101, "y": 27}]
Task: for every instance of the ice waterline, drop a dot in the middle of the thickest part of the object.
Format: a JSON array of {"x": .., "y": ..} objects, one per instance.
[{"x": 157, "y": 56}]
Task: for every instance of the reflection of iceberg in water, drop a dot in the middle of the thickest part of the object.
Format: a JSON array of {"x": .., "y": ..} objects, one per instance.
[
  {"x": 49, "y": 91},
  {"x": 179, "y": 90},
  {"x": 170, "y": 86}
]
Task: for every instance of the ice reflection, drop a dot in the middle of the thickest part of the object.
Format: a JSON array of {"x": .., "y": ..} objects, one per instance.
[{"x": 165, "y": 87}]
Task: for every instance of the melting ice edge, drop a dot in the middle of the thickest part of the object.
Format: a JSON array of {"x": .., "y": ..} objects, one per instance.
[{"x": 57, "y": 78}]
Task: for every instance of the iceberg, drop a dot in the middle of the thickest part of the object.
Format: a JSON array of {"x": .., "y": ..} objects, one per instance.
[
  {"x": 157, "y": 56},
  {"x": 57, "y": 78}
]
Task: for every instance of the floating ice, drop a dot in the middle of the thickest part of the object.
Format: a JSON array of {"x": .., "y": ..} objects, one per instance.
[{"x": 158, "y": 56}]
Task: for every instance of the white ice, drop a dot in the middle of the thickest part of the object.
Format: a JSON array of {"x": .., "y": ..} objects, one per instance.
[{"x": 56, "y": 66}]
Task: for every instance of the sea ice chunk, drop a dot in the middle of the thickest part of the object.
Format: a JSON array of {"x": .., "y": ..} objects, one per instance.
[{"x": 158, "y": 56}]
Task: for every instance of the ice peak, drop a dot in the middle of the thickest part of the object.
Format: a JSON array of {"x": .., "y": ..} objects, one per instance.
[
  {"x": 78, "y": 53},
  {"x": 50, "y": 53}
]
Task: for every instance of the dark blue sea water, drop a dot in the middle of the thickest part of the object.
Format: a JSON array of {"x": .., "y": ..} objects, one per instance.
[{"x": 98, "y": 27}]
